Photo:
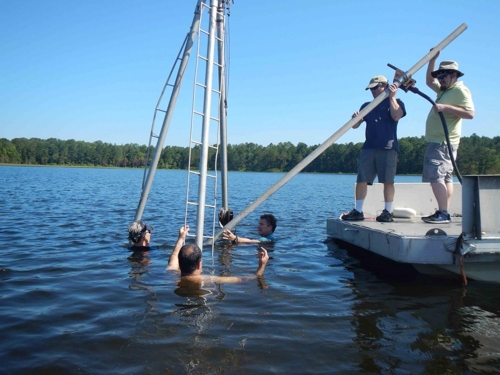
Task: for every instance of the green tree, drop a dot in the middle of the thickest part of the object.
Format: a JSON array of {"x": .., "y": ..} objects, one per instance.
[{"x": 8, "y": 152}]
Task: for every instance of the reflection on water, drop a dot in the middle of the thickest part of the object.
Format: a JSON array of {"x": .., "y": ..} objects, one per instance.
[
  {"x": 188, "y": 288},
  {"x": 195, "y": 309},
  {"x": 421, "y": 314},
  {"x": 140, "y": 259},
  {"x": 75, "y": 300}
]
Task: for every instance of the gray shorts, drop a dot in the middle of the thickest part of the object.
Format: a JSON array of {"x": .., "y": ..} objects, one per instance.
[
  {"x": 437, "y": 163},
  {"x": 377, "y": 162}
]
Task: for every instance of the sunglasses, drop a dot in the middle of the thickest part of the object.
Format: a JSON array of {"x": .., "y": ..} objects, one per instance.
[
  {"x": 376, "y": 87},
  {"x": 443, "y": 75}
]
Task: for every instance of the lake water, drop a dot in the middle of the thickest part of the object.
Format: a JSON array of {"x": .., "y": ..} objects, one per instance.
[{"x": 73, "y": 301}]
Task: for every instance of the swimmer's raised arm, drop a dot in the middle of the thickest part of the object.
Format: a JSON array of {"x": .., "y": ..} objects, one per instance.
[
  {"x": 173, "y": 262},
  {"x": 263, "y": 258}
]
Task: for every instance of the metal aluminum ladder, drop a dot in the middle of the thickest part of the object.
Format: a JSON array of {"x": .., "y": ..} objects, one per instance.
[{"x": 207, "y": 119}]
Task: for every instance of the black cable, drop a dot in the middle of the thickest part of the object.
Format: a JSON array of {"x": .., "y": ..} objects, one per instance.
[{"x": 445, "y": 129}]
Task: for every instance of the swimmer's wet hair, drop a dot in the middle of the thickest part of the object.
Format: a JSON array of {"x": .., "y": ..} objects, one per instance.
[
  {"x": 189, "y": 257},
  {"x": 137, "y": 229},
  {"x": 271, "y": 220}
]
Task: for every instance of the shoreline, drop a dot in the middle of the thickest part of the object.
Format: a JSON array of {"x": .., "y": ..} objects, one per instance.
[{"x": 163, "y": 169}]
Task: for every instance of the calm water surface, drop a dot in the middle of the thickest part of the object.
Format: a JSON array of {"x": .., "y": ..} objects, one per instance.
[{"x": 74, "y": 301}]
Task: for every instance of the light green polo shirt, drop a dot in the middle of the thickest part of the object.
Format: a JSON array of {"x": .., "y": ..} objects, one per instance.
[{"x": 457, "y": 95}]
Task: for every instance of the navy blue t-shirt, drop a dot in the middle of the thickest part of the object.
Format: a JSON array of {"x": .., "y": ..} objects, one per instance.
[{"x": 381, "y": 129}]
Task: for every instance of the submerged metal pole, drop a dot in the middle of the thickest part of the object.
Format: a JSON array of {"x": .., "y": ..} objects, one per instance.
[
  {"x": 168, "y": 115},
  {"x": 321, "y": 148},
  {"x": 222, "y": 106},
  {"x": 200, "y": 217}
]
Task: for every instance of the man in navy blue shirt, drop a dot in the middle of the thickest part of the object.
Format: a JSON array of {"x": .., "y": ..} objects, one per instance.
[{"x": 379, "y": 154}]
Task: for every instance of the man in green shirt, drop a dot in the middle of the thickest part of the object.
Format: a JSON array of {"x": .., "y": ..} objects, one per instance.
[{"x": 454, "y": 100}]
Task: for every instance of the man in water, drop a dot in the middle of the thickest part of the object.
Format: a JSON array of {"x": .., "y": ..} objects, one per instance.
[
  {"x": 379, "y": 154},
  {"x": 187, "y": 259},
  {"x": 266, "y": 227},
  {"x": 454, "y": 100},
  {"x": 139, "y": 233}
]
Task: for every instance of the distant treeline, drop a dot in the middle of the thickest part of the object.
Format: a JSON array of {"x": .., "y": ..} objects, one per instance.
[{"x": 476, "y": 155}]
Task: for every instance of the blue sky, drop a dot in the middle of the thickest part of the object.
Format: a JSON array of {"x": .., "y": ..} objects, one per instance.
[{"x": 93, "y": 70}]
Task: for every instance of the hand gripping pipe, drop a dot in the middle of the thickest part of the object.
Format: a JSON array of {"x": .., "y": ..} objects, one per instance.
[{"x": 348, "y": 125}]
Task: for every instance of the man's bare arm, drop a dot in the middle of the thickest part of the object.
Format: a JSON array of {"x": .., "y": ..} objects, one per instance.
[
  {"x": 173, "y": 262},
  {"x": 395, "y": 108},
  {"x": 263, "y": 259},
  {"x": 356, "y": 125},
  {"x": 455, "y": 111},
  {"x": 429, "y": 79},
  {"x": 228, "y": 235}
]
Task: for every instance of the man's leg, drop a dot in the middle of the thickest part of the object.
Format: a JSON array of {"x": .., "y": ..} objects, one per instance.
[
  {"x": 388, "y": 192},
  {"x": 441, "y": 194},
  {"x": 388, "y": 195},
  {"x": 438, "y": 171},
  {"x": 366, "y": 175},
  {"x": 387, "y": 161},
  {"x": 361, "y": 190},
  {"x": 357, "y": 213},
  {"x": 449, "y": 188},
  {"x": 449, "y": 179}
]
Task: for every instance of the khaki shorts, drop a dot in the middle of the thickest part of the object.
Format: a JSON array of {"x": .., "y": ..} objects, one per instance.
[
  {"x": 377, "y": 162},
  {"x": 437, "y": 163}
]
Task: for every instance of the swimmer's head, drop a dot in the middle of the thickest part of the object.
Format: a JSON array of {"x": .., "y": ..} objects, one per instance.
[
  {"x": 189, "y": 259},
  {"x": 137, "y": 230}
]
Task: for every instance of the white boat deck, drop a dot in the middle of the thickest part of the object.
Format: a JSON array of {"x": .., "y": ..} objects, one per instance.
[
  {"x": 428, "y": 247},
  {"x": 408, "y": 227}
]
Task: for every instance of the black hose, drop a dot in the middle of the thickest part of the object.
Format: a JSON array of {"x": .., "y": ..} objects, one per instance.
[{"x": 445, "y": 129}]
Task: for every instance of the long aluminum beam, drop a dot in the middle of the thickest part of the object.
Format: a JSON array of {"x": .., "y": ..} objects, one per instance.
[
  {"x": 168, "y": 115},
  {"x": 348, "y": 125},
  {"x": 222, "y": 106},
  {"x": 202, "y": 191}
]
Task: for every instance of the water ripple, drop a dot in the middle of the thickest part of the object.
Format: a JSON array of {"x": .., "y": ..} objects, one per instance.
[{"x": 75, "y": 300}]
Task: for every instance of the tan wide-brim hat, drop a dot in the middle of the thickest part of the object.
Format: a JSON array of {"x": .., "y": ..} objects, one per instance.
[{"x": 447, "y": 65}]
